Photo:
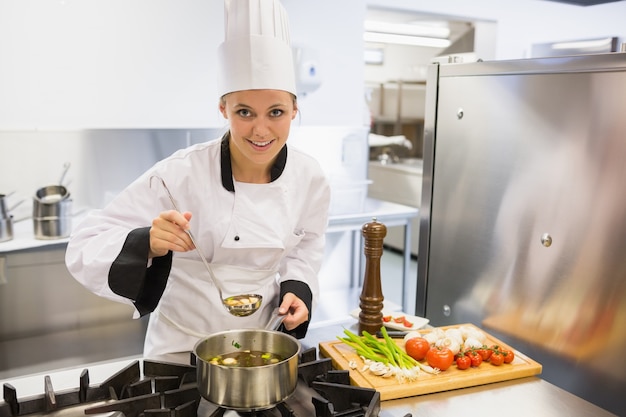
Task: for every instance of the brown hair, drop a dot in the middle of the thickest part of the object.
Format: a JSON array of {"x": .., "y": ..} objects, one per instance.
[{"x": 294, "y": 98}]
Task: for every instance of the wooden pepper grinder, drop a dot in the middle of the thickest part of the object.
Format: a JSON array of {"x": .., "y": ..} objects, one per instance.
[{"x": 371, "y": 316}]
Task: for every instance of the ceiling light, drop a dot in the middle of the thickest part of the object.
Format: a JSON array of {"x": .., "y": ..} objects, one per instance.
[
  {"x": 430, "y": 31},
  {"x": 377, "y": 37},
  {"x": 586, "y": 44}
]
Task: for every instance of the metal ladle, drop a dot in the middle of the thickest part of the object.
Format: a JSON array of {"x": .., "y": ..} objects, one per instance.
[
  {"x": 275, "y": 320},
  {"x": 238, "y": 305}
]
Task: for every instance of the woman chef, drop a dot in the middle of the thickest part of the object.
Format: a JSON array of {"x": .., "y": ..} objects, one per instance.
[{"x": 256, "y": 207}]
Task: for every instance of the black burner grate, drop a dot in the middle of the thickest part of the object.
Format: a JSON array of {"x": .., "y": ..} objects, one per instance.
[{"x": 170, "y": 390}]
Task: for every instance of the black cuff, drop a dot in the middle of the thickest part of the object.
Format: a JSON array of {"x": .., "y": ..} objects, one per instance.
[
  {"x": 129, "y": 277},
  {"x": 303, "y": 292}
]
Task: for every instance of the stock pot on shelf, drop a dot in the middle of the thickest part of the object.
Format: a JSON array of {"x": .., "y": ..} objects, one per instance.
[
  {"x": 6, "y": 228},
  {"x": 52, "y": 212},
  {"x": 6, "y": 219}
]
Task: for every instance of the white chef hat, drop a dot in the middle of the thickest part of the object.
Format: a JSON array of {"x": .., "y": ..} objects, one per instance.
[{"x": 256, "y": 53}]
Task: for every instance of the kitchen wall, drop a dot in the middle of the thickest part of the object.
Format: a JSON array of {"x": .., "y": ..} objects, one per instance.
[
  {"x": 138, "y": 71},
  {"x": 143, "y": 65},
  {"x": 150, "y": 63},
  {"x": 80, "y": 64}
]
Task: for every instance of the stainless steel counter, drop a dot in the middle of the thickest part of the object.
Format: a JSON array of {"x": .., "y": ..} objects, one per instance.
[{"x": 530, "y": 396}]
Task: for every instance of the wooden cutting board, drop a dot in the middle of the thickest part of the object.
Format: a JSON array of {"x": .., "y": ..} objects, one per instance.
[{"x": 452, "y": 378}]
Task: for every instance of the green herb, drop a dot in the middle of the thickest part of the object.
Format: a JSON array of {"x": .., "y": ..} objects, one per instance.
[{"x": 385, "y": 351}]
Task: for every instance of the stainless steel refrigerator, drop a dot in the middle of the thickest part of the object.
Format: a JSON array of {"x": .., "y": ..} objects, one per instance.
[{"x": 523, "y": 216}]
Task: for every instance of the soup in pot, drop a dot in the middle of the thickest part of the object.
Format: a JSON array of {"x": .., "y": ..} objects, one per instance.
[{"x": 245, "y": 358}]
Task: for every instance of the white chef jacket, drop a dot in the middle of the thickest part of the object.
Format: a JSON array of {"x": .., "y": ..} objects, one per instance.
[{"x": 260, "y": 238}]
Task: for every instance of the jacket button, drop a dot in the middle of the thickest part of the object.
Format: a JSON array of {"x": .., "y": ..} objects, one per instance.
[{"x": 236, "y": 238}]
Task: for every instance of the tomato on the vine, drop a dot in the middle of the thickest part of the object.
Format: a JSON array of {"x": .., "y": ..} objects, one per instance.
[
  {"x": 484, "y": 352},
  {"x": 497, "y": 358},
  {"x": 440, "y": 358},
  {"x": 475, "y": 358},
  {"x": 508, "y": 355},
  {"x": 462, "y": 361},
  {"x": 417, "y": 347}
]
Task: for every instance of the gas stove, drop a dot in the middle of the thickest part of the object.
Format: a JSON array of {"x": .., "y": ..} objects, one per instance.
[{"x": 170, "y": 390}]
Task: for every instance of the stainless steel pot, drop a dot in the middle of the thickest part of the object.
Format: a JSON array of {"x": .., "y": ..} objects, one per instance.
[
  {"x": 58, "y": 208},
  {"x": 6, "y": 228},
  {"x": 51, "y": 194},
  {"x": 46, "y": 228},
  {"x": 52, "y": 212},
  {"x": 4, "y": 211},
  {"x": 251, "y": 388},
  {"x": 6, "y": 219}
]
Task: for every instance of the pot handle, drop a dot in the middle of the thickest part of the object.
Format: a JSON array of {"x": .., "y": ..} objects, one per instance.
[
  {"x": 66, "y": 167},
  {"x": 275, "y": 320}
]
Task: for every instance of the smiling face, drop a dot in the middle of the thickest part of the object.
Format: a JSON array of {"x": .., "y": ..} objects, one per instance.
[{"x": 259, "y": 127}]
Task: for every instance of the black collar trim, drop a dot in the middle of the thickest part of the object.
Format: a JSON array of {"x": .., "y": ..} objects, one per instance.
[{"x": 227, "y": 169}]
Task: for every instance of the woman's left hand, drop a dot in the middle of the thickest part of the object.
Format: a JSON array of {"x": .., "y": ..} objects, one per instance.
[{"x": 295, "y": 309}]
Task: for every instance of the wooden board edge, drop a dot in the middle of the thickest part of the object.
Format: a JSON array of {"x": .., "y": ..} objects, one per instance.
[{"x": 394, "y": 392}]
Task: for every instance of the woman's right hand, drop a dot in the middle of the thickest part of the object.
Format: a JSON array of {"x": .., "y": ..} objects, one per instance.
[{"x": 168, "y": 233}]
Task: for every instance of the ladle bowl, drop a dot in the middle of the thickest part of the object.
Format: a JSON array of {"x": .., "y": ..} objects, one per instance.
[{"x": 241, "y": 305}]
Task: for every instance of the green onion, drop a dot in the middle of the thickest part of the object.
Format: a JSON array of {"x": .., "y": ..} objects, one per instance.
[{"x": 386, "y": 351}]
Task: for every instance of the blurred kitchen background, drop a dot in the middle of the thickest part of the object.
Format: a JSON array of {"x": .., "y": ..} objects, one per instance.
[{"x": 112, "y": 87}]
